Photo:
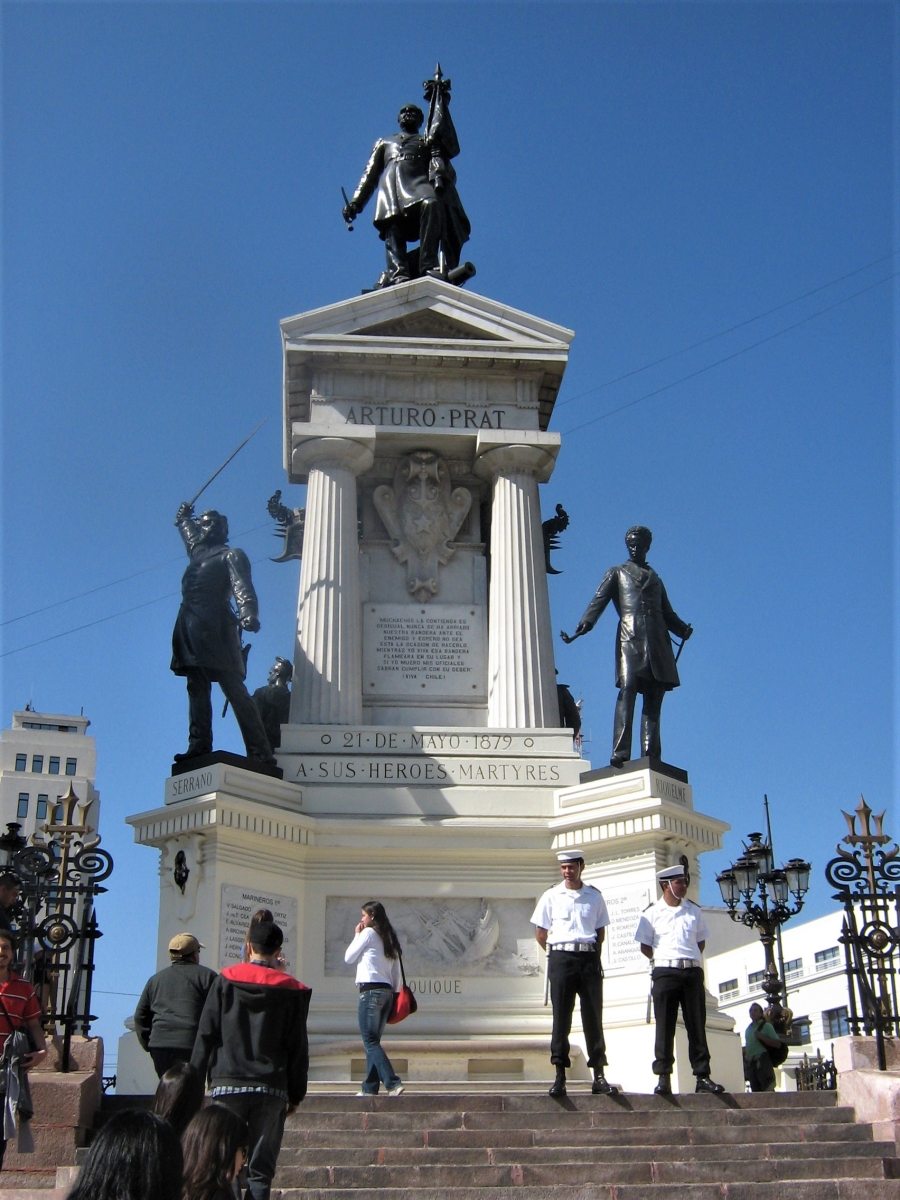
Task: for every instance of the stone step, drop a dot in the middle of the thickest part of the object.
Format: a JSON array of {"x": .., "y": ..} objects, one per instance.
[
  {"x": 564, "y": 1136},
  {"x": 837, "y": 1189},
  {"x": 391, "y": 1156},
  {"x": 43, "y": 1179},
  {"x": 721, "y": 1171},
  {"x": 538, "y": 1101},
  {"x": 610, "y": 1118}
]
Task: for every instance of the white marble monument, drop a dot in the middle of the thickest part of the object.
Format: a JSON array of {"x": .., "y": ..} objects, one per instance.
[{"x": 424, "y": 764}]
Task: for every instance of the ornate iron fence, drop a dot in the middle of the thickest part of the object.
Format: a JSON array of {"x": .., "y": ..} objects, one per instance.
[
  {"x": 866, "y": 874},
  {"x": 817, "y": 1074},
  {"x": 60, "y": 875}
]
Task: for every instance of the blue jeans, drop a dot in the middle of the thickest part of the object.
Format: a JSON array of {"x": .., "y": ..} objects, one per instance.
[{"x": 374, "y": 1009}]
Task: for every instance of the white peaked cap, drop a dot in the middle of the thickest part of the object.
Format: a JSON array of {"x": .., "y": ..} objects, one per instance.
[
  {"x": 565, "y": 856},
  {"x": 675, "y": 872}
]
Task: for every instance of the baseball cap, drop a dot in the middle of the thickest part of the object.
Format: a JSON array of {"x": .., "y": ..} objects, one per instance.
[{"x": 183, "y": 944}]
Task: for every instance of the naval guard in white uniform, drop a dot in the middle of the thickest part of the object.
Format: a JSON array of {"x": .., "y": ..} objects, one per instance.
[
  {"x": 571, "y": 921},
  {"x": 673, "y": 933}
]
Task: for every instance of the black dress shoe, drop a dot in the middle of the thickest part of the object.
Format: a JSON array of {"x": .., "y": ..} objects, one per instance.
[
  {"x": 705, "y": 1084},
  {"x": 192, "y": 752},
  {"x": 558, "y": 1087},
  {"x": 601, "y": 1087},
  {"x": 664, "y": 1087}
]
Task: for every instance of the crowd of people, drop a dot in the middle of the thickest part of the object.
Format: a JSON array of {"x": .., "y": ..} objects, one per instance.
[{"x": 232, "y": 1056}]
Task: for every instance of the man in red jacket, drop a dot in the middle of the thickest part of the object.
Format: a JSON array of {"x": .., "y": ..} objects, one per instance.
[{"x": 253, "y": 1046}]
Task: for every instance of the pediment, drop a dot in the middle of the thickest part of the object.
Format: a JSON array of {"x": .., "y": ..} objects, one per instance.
[
  {"x": 424, "y": 310},
  {"x": 428, "y": 324}
]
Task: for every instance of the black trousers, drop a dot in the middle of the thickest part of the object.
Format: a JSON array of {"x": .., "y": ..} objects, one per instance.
[
  {"x": 759, "y": 1073},
  {"x": 265, "y": 1122},
  {"x": 653, "y": 694},
  {"x": 572, "y": 974},
  {"x": 199, "y": 690},
  {"x": 430, "y": 224},
  {"x": 167, "y": 1056},
  {"x": 673, "y": 987}
]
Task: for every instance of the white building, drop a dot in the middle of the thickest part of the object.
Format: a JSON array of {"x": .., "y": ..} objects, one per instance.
[
  {"x": 40, "y": 756},
  {"x": 815, "y": 975}
]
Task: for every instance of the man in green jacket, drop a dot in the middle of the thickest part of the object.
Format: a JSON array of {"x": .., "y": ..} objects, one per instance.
[{"x": 168, "y": 1012}]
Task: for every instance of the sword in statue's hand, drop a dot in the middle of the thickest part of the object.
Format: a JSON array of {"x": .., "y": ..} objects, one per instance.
[
  {"x": 347, "y": 210},
  {"x": 690, "y": 630}
]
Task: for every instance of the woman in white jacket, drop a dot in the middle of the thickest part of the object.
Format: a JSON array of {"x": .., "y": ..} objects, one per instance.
[{"x": 376, "y": 951}]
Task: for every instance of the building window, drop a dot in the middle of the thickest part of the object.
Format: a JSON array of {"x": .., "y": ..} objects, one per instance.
[
  {"x": 793, "y": 969},
  {"x": 835, "y": 1022},
  {"x": 729, "y": 989},
  {"x": 802, "y": 1030},
  {"x": 22, "y": 810},
  {"x": 58, "y": 814},
  {"x": 21, "y": 762},
  {"x": 71, "y": 764},
  {"x": 827, "y": 960},
  {"x": 41, "y": 811},
  {"x": 37, "y": 763},
  {"x": 54, "y": 765},
  {"x": 755, "y": 981}
]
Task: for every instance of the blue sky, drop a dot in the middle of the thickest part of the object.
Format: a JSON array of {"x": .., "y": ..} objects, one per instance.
[{"x": 648, "y": 175}]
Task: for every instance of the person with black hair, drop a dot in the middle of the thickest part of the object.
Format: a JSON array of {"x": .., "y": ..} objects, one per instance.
[
  {"x": 179, "y": 1096},
  {"x": 215, "y": 1150},
  {"x": 376, "y": 951},
  {"x": 135, "y": 1156},
  {"x": 252, "y": 1044}
]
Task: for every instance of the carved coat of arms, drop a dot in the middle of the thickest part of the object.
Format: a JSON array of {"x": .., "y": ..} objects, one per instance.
[{"x": 422, "y": 516}]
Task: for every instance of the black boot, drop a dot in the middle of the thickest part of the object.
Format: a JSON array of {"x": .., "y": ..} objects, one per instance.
[
  {"x": 705, "y": 1084},
  {"x": 559, "y": 1083},
  {"x": 664, "y": 1087},
  {"x": 600, "y": 1086}
]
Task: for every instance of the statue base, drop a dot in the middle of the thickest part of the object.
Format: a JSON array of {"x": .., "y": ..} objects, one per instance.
[
  {"x": 187, "y": 765},
  {"x": 636, "y": 764}
]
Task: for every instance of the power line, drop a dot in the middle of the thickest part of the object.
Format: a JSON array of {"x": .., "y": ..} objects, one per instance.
[
  {"x": 728, "y": 357},
  {"x": 114, "y": 583},
  {"x": 731, "y": 329},
  {"x": 110, "y": 617}
]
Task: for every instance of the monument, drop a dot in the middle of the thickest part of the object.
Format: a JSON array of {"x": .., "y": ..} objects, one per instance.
[{"x": 425, "y": 763}]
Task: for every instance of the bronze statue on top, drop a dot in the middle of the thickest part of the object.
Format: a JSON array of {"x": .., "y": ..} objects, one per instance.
[
  {"x": 645, "y": 661},
  {"x": 416, "y": 196},
  {"x": 206, "y": 641}
]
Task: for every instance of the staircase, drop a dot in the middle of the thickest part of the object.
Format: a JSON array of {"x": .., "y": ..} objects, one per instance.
[{"x": 434, "y": 1145}]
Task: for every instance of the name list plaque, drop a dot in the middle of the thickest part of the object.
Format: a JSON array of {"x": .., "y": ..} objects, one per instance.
[{"x": 424, "y": 650}]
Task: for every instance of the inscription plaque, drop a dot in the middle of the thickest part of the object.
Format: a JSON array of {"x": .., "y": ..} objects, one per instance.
[
  {"x": 621, "y": 952},
  {"x": 238, "y": 906},
  {"x": 435, "y": 649}
]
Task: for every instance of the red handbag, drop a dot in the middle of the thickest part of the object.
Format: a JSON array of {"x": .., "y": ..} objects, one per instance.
[{"x": 405, "y": 1001}]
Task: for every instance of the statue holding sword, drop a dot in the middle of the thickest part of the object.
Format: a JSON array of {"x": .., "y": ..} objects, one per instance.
[
  {"x": 645, "y": 661},
  {"x": 206, "y": 641}
]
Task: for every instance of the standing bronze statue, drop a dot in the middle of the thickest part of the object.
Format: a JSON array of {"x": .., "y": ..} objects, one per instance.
[
  {"x": 416, "y": 197},
  {"x": 206, "y": 641},
  {"x": 645, "y": 661}
]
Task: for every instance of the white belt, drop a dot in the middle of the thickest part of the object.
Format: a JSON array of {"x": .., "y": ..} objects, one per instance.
[
  {"x": 583, "y": 947},
  {"x": 683, "y": 964}
]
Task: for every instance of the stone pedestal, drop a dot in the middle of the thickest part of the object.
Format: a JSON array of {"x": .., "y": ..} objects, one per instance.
[{"x": 424, "y": 764}]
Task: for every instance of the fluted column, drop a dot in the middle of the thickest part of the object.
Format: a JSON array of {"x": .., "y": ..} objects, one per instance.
[
  {"x": 327, "y": 685},
  {"x": 521, "y": 674}
]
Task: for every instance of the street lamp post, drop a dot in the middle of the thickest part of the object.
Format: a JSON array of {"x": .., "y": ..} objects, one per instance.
[{"x": 759, "y": 895}]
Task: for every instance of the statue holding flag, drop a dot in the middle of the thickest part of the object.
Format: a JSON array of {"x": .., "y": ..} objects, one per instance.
[{"x": 416, "y": 197}]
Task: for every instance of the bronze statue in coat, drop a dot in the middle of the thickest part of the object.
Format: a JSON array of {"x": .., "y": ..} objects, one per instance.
[
  {"x": 416, "y": 199},
  {"x": 645, "y": 661},
  {"x": 206, "y": 641}
]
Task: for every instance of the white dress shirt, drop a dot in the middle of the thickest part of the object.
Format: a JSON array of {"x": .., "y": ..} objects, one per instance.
[
  {"x": 372, "y": 964},
  {"x": 570, "y": 914},
  {"x": 673, "y": 930}
]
